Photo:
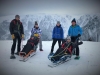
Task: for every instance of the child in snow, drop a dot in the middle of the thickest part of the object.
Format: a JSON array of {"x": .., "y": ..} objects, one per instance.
[{"x": 36, "y": 31}]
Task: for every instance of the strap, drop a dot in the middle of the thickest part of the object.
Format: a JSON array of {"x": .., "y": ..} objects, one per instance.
[{"x": 62, "y": 51}]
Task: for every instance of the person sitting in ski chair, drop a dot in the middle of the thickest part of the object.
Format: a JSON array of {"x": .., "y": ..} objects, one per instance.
[
  {"x": 30, "y": 46},
  {"x": 65, "y": 51}
]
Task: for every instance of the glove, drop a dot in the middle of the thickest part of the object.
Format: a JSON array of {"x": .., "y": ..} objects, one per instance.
[
  {"x": 78, "y": 35},
  {"x": 36, "y": 35},
  {"x": 22, "y": 35},
  {"x": 13, "y": 37}
]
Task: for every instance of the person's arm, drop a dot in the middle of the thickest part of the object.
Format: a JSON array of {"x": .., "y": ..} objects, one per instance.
[
  {"x": 80, "y": 30},
  {"x": 69, "y": 33},
  {"x": 11, "y": 30},
  {"x": 53, "y": 32},
  {"x": 40, "y": 31},
  {"x": 32, "y": 32},
  {"x": 22, "y": 29},
  {"x": 62, "y": 33},
  {"x": 11, "y": 27}
]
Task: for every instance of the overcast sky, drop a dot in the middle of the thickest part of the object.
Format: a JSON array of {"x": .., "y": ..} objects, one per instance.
[{"x": 12, "y": 7}]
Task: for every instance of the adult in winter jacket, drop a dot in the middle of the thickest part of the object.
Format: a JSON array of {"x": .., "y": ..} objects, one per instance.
[
  {"x": 17, "y": 33},
  {"x": 37, "y": 31},
  {"x": 57, "y": 35},
  {"x": 75, "y": 31}
]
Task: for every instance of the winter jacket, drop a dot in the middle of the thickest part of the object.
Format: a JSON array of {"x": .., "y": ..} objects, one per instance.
[
  {"x": 36, "y": 31},
  {"x": 74, "y": 30},
  {"x": 16, "y": 27},
  {"x": 33, "y": 41},
  {"x": 57, "y": 32}
]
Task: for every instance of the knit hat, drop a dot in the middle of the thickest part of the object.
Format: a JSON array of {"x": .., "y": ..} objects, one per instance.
[
  {"x": 58, "y": 22},
  {"x": 74, "y": 20},
  {"x": 17, "y": 16},
  {"x": 68, "y": 38},
  {"x": 36, "y": 23}
]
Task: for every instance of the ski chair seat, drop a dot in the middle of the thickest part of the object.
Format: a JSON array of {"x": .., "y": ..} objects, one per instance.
[
  {"x": 29, "y": 48},
  {"x": 61, "y": 54},
  {"x": 23, "y": 54}
]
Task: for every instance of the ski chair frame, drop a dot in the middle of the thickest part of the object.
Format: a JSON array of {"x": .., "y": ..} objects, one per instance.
[
  {"x": 23, "y": 54},
  {"x": 66, "y": 55},
  {"x": 26, "y": 55}
]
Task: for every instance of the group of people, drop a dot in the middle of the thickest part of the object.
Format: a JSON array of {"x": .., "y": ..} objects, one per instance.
[
  {"x": 74, "y": 32},
  {"x": 17, "y": 32}
]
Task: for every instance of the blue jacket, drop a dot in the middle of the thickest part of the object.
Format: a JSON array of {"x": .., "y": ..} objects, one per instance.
[
  {"x": 58, "y": 32},
  {"x": 74, "y": 30}
]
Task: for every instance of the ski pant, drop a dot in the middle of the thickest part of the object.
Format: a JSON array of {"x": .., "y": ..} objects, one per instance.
[
  {"x": 54, "y": 42},
  {"x": 40, "y": 44},
  {"x": 76, "y": 52},
  {"x": 17, "y": 38}
]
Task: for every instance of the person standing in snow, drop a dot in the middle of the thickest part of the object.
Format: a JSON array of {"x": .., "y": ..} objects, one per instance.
[
  {"x": 75, "y": 32},
  {"x": 36, "y": 30},
  {"x": 57, "y": 35},
  {"x": 17, "y": 33}
]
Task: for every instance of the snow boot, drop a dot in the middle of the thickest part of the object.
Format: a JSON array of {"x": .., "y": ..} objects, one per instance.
[
  {"x": 77, "y": 58},
  {"x": 12, "y": 56},
  {"x": 51, "y": 53},
  {"x": 41, "y": 49},
  {"x": 17, "y": 53}
]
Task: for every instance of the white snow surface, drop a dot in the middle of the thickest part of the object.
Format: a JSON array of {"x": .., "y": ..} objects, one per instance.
[{"x": 89, "y": 63}]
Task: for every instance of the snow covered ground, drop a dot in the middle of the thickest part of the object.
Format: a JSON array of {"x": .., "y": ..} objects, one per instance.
[{"x": 89, "y": 63}]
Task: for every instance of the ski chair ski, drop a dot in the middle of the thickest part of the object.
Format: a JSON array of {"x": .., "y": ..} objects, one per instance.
[
  {"x": 29, "y": 49},
  {"x": 64, "y": 53}
]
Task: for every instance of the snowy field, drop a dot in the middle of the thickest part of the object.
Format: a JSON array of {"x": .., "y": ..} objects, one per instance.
[{"x": 89, "y": 63}]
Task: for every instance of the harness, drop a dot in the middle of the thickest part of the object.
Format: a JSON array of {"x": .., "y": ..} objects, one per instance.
[
  {"x": 31, "y": 43},
  {"x": 62, "y": 51},
  {"x": 17, "y": 24}
]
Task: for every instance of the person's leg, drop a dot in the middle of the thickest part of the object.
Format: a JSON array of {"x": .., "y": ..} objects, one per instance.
[
  {"x": 53, "y": 44},
  {"x": 19, "y": 45},
  {"x": 40, "y": 44},
  {"x": 77, "y": 51},
  {"x": 13, "y": 49},
  {"x": 59, "y": 42},
  {"x": 13, "y": 46},
  {"x": 73, "y": 40}
]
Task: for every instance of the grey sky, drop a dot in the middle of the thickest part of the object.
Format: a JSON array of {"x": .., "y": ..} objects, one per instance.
[{"x": 11, "y": 7}]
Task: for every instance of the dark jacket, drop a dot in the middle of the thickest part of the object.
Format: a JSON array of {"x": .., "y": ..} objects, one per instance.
[
  {"x": 58, "y": 32},
  {"x": 16, "y": 27},
  {"x": 33, "y": 41}
]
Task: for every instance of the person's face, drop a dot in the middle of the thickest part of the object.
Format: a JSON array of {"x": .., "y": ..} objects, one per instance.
[
  {"x": 58, "y": 24},
  {"x": 17, "y": 18},
  {"x": 36, "y": 26},
  {"x": 73, "y": 23},
  {"x": 32, "y": 37},
  {"x": 68, "y": 40}
]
